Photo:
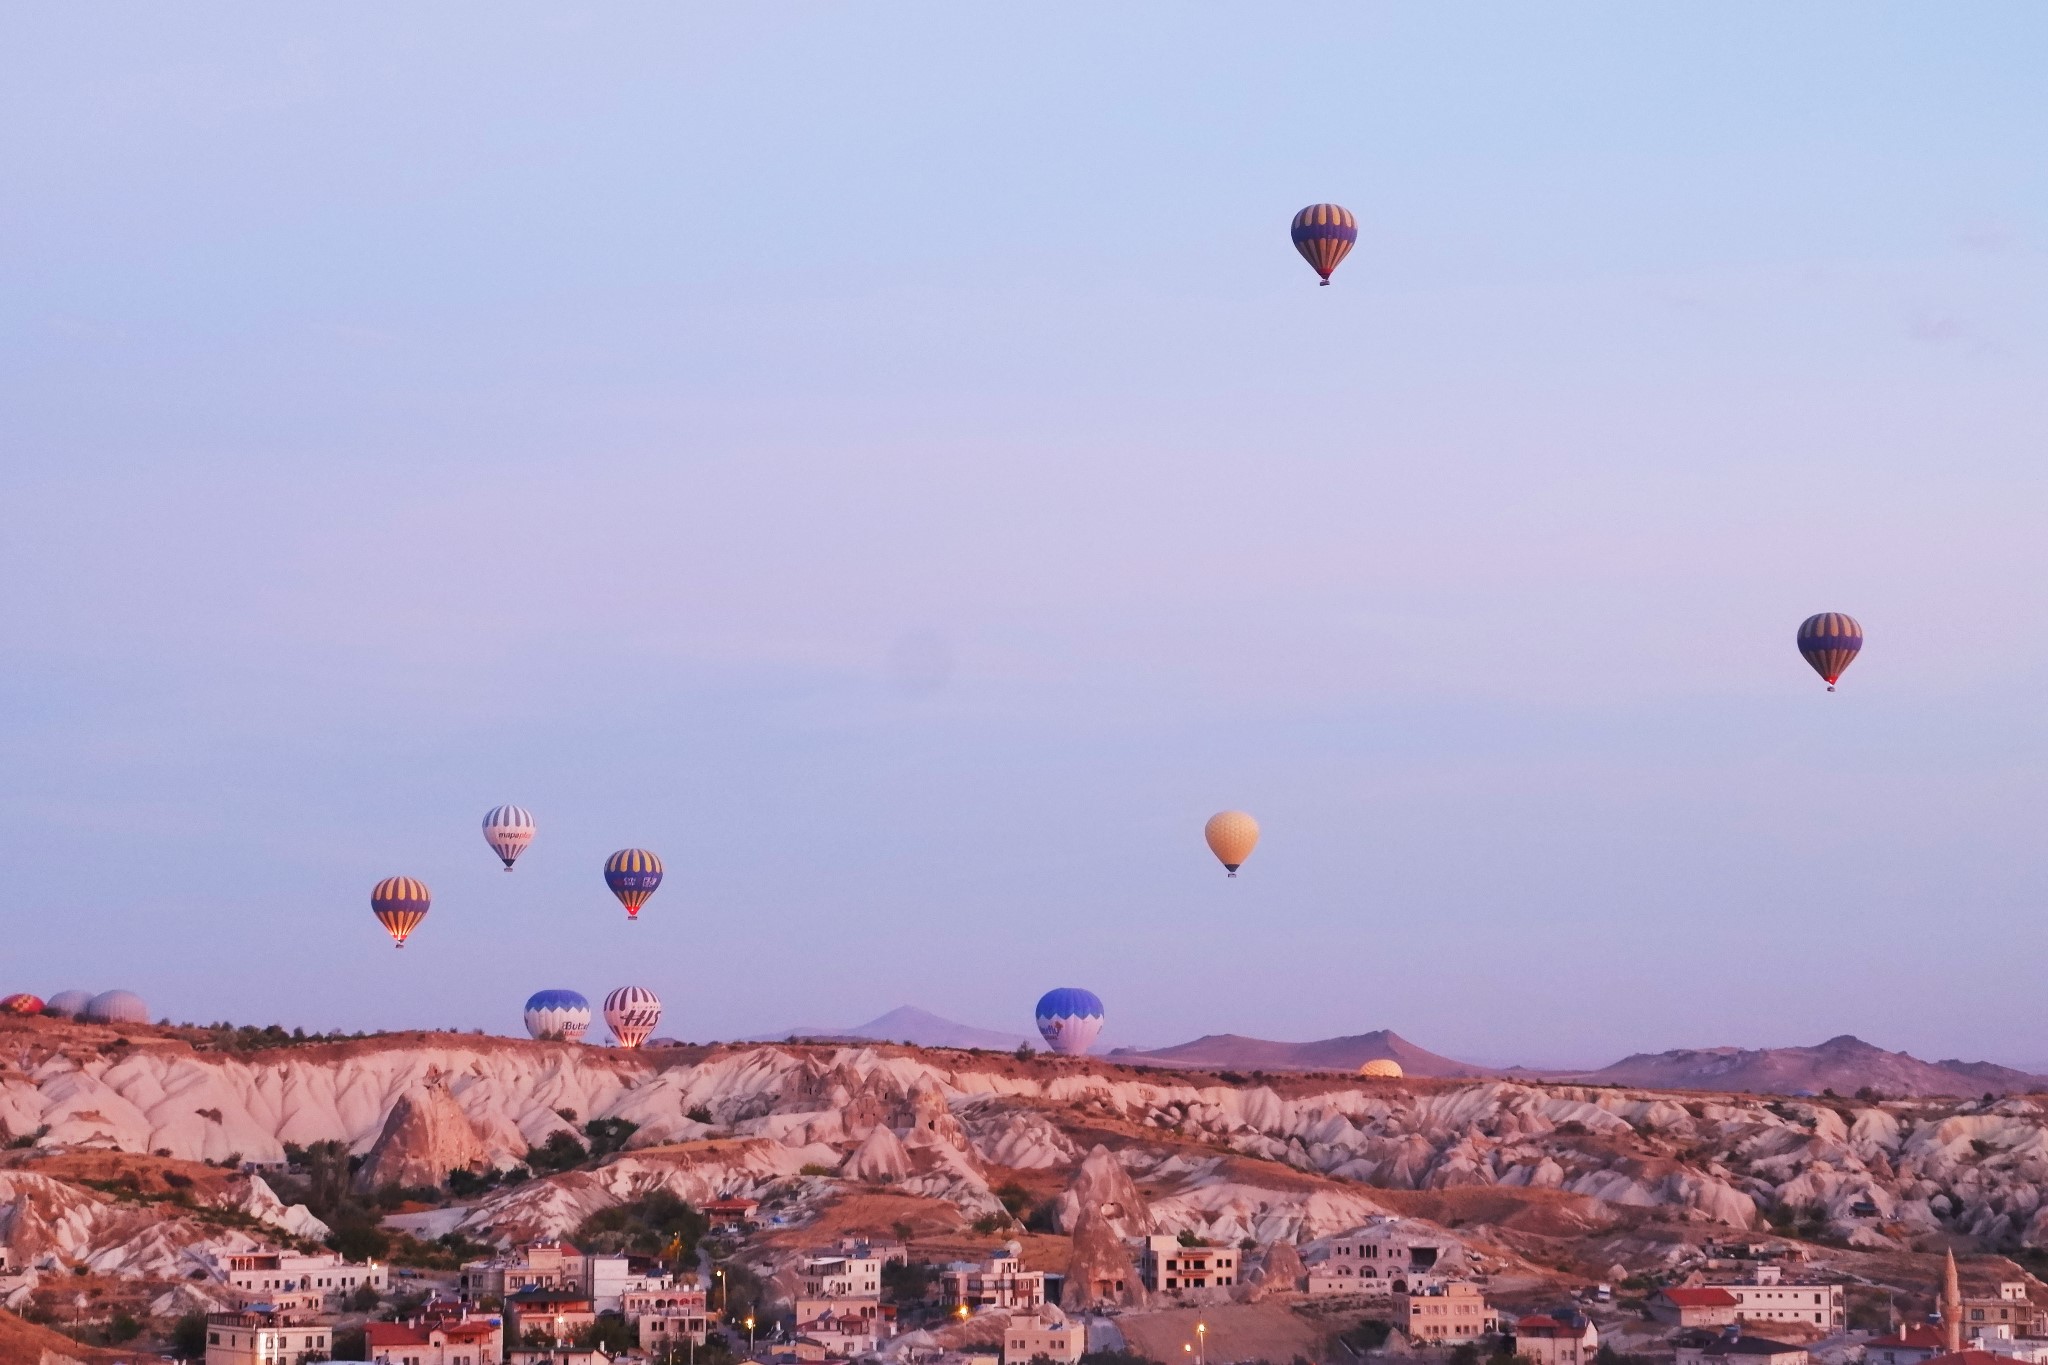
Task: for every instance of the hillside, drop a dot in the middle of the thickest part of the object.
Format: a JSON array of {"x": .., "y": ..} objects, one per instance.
[
  {"x": 1843, "y": 1065},
  {"x": 1230, "y": 1051}
]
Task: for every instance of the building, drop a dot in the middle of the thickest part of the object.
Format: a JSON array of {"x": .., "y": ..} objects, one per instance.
[
  {"x": 1768, "y": 1299},
  {"x": 2011, "y": 1308},
  {"x": 1391, "y": 1248},
  {"x": 443, "y": 1341},
  {"x": 1563, "y": 1336},
  {"x": 1912, "y": 1345},
  {"x": 1694, "y": 1306},
  {"x": 665, "y": 1328},
  {"x": 554, "y": 1315},
  {"x": 731, "y": 1215},
  {"x": 1730, "y": 1347},
  {"x": 1045, "y": 1333},
  {"x": 1165, "y": 1265},
  {"x": 999, "y": 1282},
  {"x": 602, "y": 1278},
  {"x": 684, "y": 1298},
  {"x": 268, "y": 1274},
  {"x": 1445, "y": 1314},
  {"x": 257, "y": 1336},
  {"x": 837, "y": 1276},
  {"x": 561, "y": 1355},
  {"x": 536, "y": 1265},
  {"x": 842, "y": 1334}
]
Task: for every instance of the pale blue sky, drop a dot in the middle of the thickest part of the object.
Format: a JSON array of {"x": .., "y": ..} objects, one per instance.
[{"x": 889, "y": 461}]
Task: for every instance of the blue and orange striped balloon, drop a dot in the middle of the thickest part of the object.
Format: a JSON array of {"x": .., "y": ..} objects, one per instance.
[
  {"x": 1324, "y": 235},
  {"x": 632, "y": 874},
  {"x": 1829, "y": 641},
  {"x": 400, "y": 903}
]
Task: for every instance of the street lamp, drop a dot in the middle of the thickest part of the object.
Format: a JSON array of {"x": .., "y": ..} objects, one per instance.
[
  {"x": 1201, "y": 1343},
  {"x": 750, "y": 1336},
  {"x": 720, "y": 1272}
]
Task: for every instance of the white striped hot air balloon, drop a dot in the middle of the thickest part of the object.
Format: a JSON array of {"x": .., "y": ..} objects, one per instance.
[
  {"x": 631, "y": 1012},
  {"x": 508, "y": 830}
]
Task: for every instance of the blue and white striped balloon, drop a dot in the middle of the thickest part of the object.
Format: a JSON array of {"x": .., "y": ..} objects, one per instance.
[
  {"x": 508, "y": 830},
  {"x": 1069, "y": 1019},
  {"x": 558, "y": 1014}
]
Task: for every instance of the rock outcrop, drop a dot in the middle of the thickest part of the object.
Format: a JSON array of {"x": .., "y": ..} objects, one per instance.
[
  {"x": 426, "y": 1137},
  {"x": 1280, "y": 1271},
  {"x": 880, "y": 1159}
]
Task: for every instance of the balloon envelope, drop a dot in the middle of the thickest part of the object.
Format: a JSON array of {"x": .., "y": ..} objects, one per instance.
[
  {"x": 67, "y": 1004},
  {"x": 1069, "y": 1019},
  {"x": 558, "y": 1014},
  {"x": 631, "y": 1012},
  {"x": 1829, "y": 641},
  {"x": 632, "y": 874},
  {"x": 117, "y": 1007},
  {"x": 400, "y": 903},
  {"x": 1385, "y": 1068},
  {"x": 508, "y": 830},
  {"x": 1324, "y": 235},
  {"x": 21, "y": 1004},
  {"x": 1232, "y": 836}
]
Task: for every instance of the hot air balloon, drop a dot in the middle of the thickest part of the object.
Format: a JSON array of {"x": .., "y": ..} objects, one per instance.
[
  {"x": 632, "y": 874},
  {"x": 631, "y": 1012},
  {"x": 1829, "y": 642},
  {"x": 1324, "y": 235},
  {"x": 117, "y": 1007},
  {"x": 400, "y": 904},
  {"x": 1069, "y": 1018},
  {"x": 1232, "y": 836},
  {"x": 1382, "y": 1069},
  {"x": 558, "y": 1014},
  {"x": 508, "y": 830},
  {"x": 21, "y": 1004},
  {"x": 67, "y": 1004}
]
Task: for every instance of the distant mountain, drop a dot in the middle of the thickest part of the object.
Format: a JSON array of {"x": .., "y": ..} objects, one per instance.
[
  {"x": 1230, "y": 1051},
  {"x": 905, "y": 1024},
  {"x": 1844, "y": 1065}
]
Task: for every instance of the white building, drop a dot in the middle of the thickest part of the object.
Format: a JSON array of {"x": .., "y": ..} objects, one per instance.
[
  {"x": 603, "y": 1279},
  {"x": 661, "y": 1329},
  {"x": 275, "y": 1274},
  {"x": 1000, "y": 1282},
  {"x": 1165, "y": 1265},
  {"x": 838, "y": 1276},
  {"x": 1046, "y": 1333},
  {"x": 259, "y": 1338},
  {"x": 1383, "y": 1256},
  {"x": 441, "y": 1341},
  {"x": 1563, "y": 1337},
  {"x": 842, "y": 1334},
  {"x": 1768, "y": 1298}
]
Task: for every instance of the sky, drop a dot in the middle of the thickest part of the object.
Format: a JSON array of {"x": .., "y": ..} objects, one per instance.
[{"x": 890, "y": 461}]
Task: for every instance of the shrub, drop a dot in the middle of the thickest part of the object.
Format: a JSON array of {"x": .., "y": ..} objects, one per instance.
[
  {"x": 990, "y": 1224},
  {"x": 561, "y": 1152},
  {"x": 608, "y": 1135},
  {"x": 701, "y": 1114},
  {"x": 124, "y": 1327},
  {"x": 188, "y": 1337}
]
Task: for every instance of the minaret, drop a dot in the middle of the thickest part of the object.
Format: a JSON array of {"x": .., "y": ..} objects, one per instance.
[{"x": 1951, "y": 1309}]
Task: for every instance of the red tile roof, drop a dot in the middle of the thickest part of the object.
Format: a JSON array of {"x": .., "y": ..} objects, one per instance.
[
  {"x": 1917, "y": 1336},
  {"x": 1973, "y": 1358},
  {"x": 1701, "y": 1298},
  {"x": 404, "y": 1334}
]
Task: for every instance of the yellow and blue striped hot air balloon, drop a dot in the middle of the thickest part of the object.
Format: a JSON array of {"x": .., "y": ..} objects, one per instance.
[
  {"x": 400, "y": 903},
  {"x": 632, "y": 874},
  {"x": 1324, "y": 235},
  {"x": 1829, "y": 641}
]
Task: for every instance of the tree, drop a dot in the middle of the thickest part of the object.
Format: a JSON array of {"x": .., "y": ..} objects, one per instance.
[
  {"x": 359, "y": 1239},
  {"x": 188, "y": 1336},
  {"x": 364, "y": 1300},
  {"x": 561, "y": 1152},
  {"x": 907, "y": 1282},
  {"x": 655, "y": 1224},
  {"x": 608, "y": 1135},
  {"x": 124, "y": 1327},
  {"x": 351, "y": 1343}
]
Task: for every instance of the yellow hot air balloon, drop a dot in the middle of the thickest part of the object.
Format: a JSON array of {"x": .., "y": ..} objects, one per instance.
[
  {"x": 1382, "y": 1068},
  {"x": 1232, "y": 836}
]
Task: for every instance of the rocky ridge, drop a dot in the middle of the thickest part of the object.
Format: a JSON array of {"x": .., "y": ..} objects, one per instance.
[{"x": 1293, "y": 1161}]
